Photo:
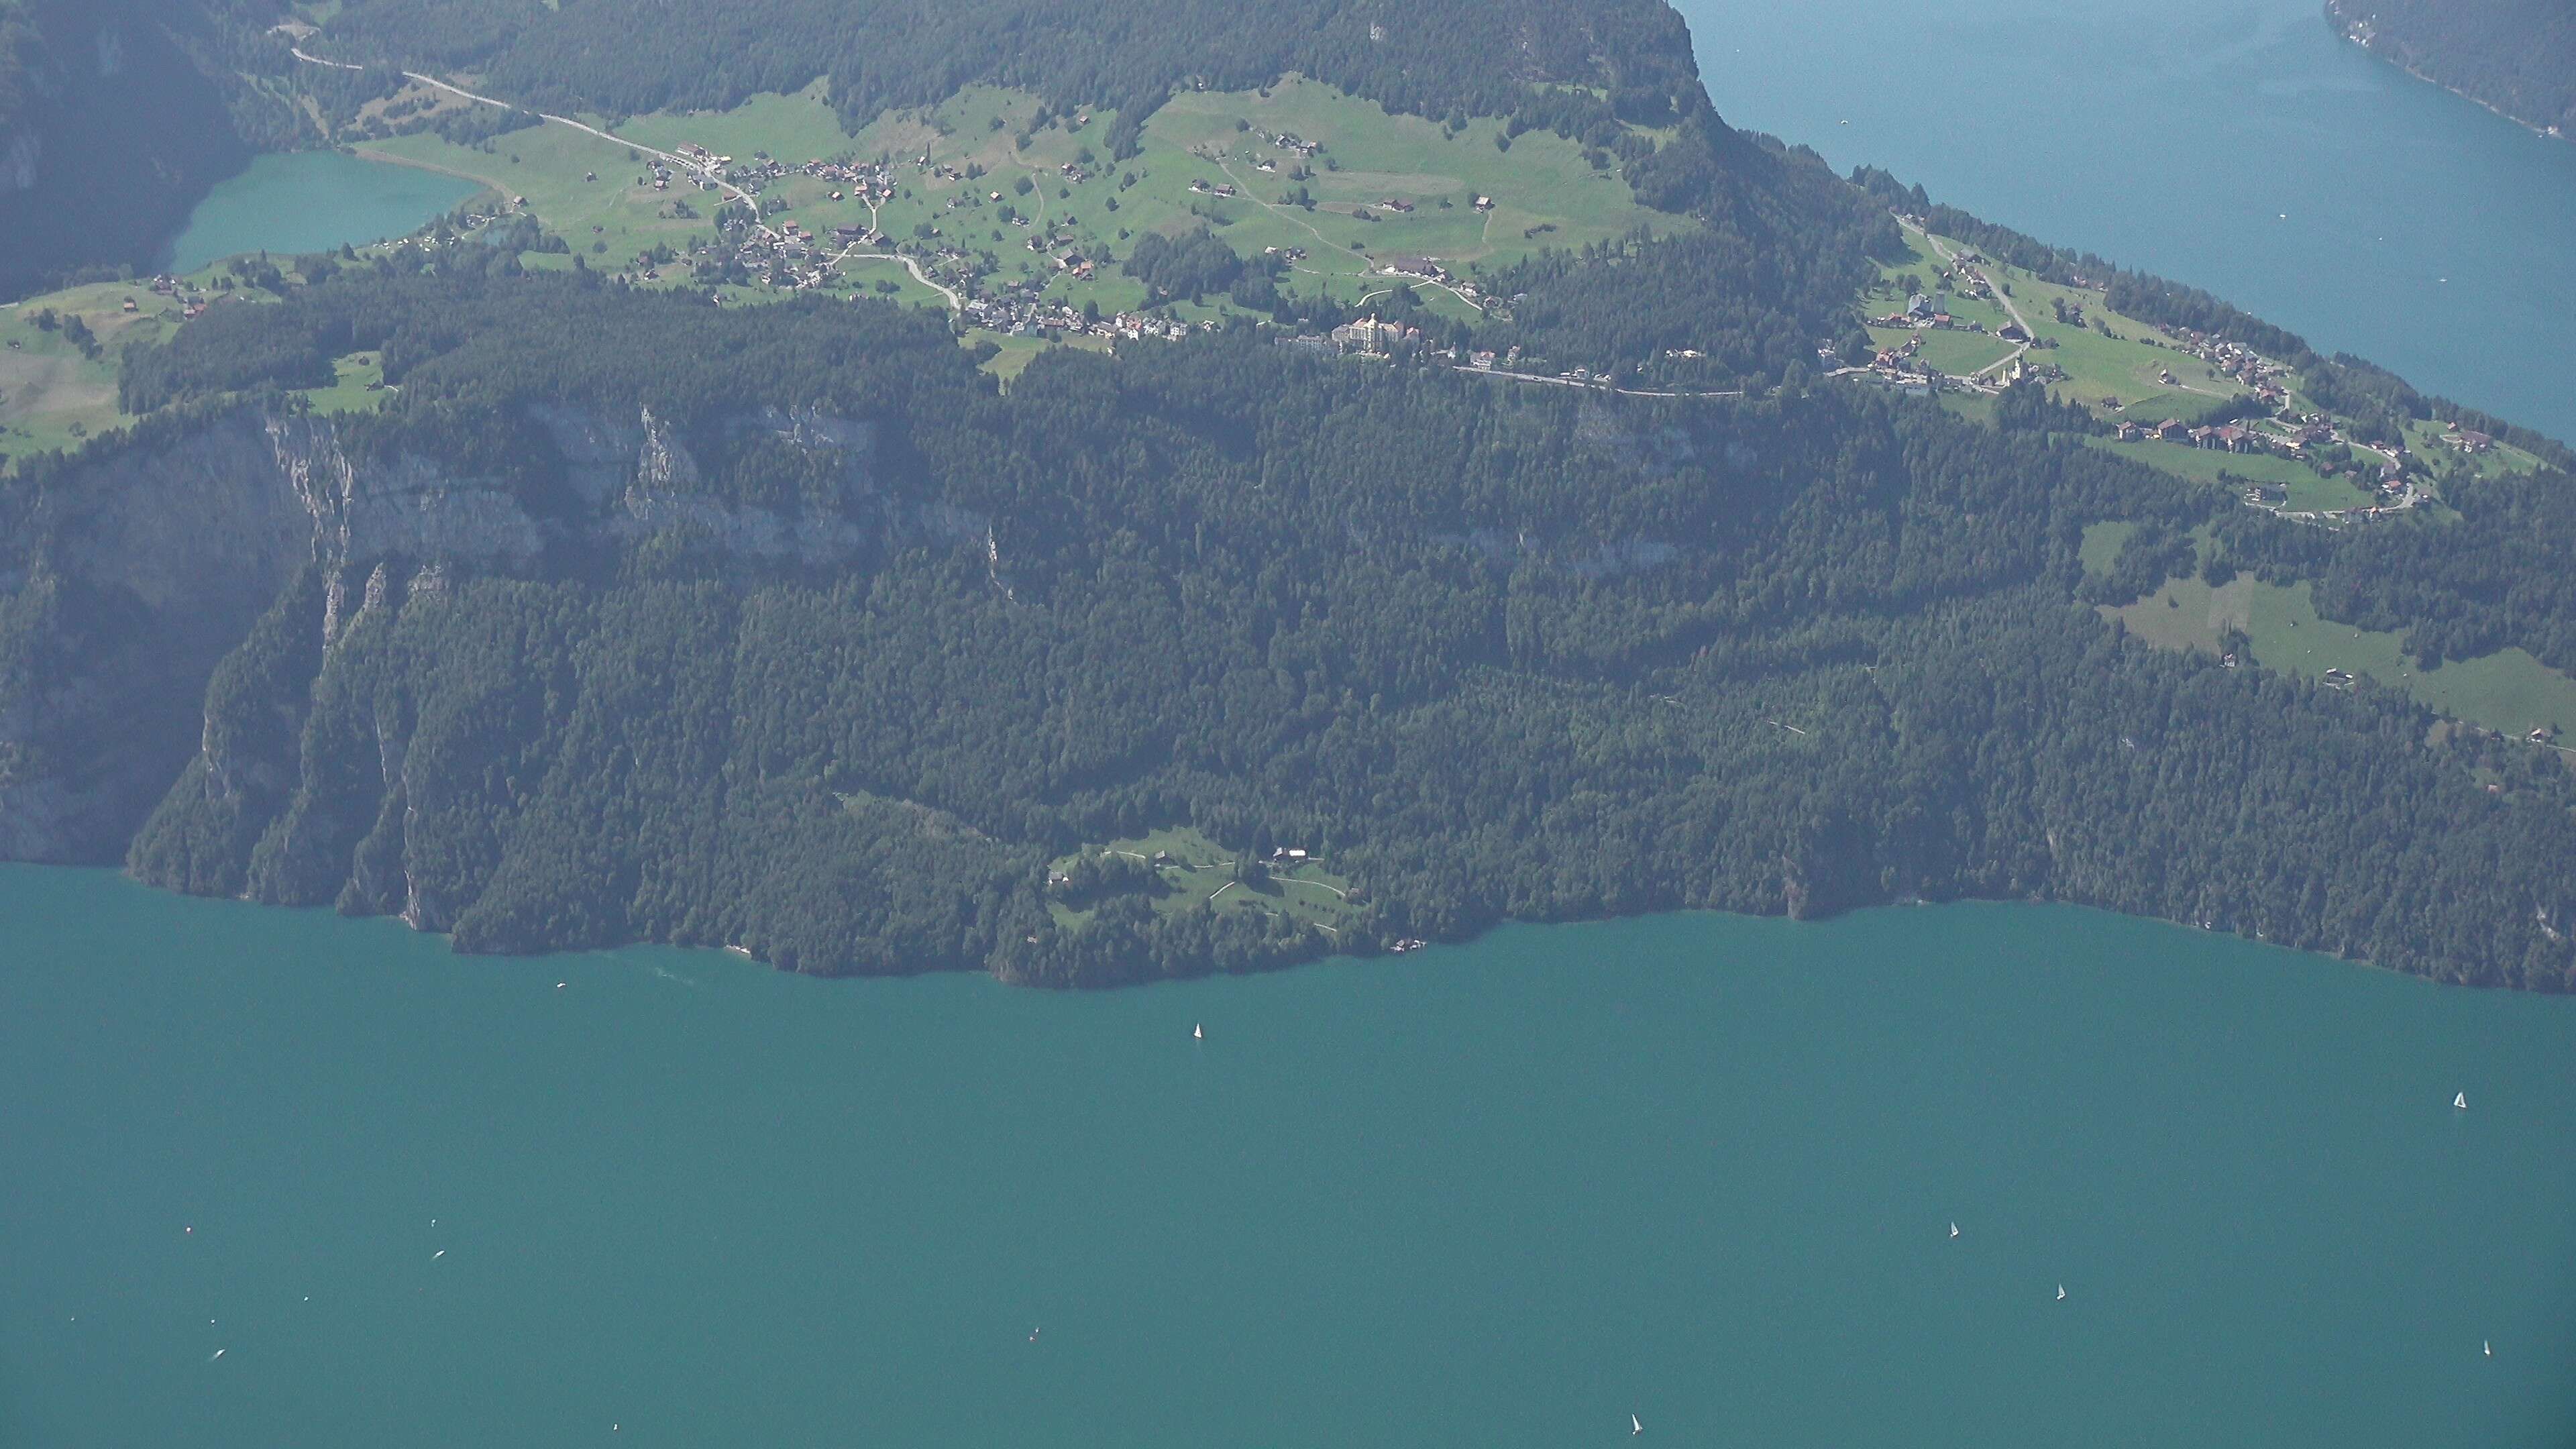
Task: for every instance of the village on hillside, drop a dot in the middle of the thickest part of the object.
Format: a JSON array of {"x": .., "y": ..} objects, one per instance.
[{"x": 1974, "y": 328}]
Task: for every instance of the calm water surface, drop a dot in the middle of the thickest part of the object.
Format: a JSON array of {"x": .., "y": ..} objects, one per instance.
[
  {"x": 2421, "y": 231},
  {"x": 1697, "y": 1168},
  {"x": 312, "y": 201}
]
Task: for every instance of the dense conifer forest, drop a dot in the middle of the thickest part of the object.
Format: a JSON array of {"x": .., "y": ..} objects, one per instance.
[
  {"x": 115, "y": 117},
  {"x": 1464, "y": 57},
  {"x": 1496, "y": 652},
  {"x": 634, "y": 616},
  {"x": 2518, "y": 56}
]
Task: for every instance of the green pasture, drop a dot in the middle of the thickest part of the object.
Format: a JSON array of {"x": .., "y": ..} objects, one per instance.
[
  {"x": 2509, "y": 690},
  {"x": 1199, "y": 872}
]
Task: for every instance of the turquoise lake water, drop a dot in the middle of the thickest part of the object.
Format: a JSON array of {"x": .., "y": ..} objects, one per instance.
[
  {"x": 1700, "y": 1169},
  {"x": 312, "y": 201},
  {"x": 2237, "y": 145}
]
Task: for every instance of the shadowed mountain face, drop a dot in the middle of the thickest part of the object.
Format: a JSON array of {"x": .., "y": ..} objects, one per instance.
[
  {"x": 110, "y": 131},
  {"x": 2518, "y": 56}
]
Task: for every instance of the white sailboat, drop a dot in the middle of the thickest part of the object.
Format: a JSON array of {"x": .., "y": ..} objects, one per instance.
[
  {"x": 1197, "y": 1032},
  {"x": 2488, "y": 1345},
  {"x": 1635, "y": 1428},
  {"x": 2461, "y": 1101},
  {"x": 2061, "y": 1292},
  {"x": 1954, "y": 1230}
]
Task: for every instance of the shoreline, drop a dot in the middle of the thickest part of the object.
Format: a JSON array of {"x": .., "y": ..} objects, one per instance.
[
  {"x": 2350, "y": 31},
  {"x": 1470, "y": 939}
]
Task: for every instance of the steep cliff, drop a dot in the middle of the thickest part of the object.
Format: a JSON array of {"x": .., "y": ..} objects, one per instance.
[
  {"x": 634, "y": 618},
  {"x": 135, "y": 573}
]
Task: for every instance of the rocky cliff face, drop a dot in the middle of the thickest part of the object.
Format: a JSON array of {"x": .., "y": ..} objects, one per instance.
[{"x": 142, "y": 571}]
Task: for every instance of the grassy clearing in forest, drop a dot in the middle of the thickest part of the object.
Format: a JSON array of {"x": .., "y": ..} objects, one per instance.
[
  {"x": 1189, "y": 870},
  {"x": 52, "y": 395},
  {"x": 2509, "y": 690}
]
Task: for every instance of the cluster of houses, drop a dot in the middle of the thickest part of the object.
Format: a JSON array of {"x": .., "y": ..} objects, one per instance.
[
  {"x": 1024, "y": 313},
  {"x": 868, "y": 183},
  {"x": 2228, "y": 438},
  {"x": 2268, "y": 380},
  {"x": 1923, "y": 312},
  {"x": 191, "y": 300}
]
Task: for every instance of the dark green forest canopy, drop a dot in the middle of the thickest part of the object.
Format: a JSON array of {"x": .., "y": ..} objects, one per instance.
[
  {"x": 115, "y": 117},
  {"x": 2518, "y": 56},
  {"x": 1477, "y": 57},
  {"x": 1497, "y": 652}
]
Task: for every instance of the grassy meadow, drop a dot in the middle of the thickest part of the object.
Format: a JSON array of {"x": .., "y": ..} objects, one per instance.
[
  {"x": 2508, "y": 690},
  {"x": 1199, "y": 872}
]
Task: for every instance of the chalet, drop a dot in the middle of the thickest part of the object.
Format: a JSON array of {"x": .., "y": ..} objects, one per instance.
[
  {"x": 2013, "y": 332},
  {"x": 1918, "y": 306},
  {"x": 2234, "y": 439},
  {"x": 2468, "y": 440},
  {"x": 2130, "y": 432},
  {"x": 1484, "y": 203},
  {"x": 2204, "y": 437},
  {"x": 2172, "y": 430},
  {"x": 1397, "y": 204}
]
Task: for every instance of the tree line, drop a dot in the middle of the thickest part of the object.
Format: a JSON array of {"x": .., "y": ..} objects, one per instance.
[{"x": 1502, "y": 653}]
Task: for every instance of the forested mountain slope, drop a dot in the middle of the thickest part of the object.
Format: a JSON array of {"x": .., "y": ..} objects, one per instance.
[
  {"x": 1461, "y": 56},
  {"x": 2518, "y": 56},
  {"x": 115, "y": 116},
  {"x": 632, "y": 616},
  {"x": 635, "y": 618}
]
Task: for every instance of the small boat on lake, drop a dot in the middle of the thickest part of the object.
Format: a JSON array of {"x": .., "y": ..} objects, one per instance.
[{"x": 2461, "y": 1101}]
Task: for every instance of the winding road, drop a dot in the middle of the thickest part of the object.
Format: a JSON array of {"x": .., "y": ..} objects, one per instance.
[{"x": 723, "y": 187}]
